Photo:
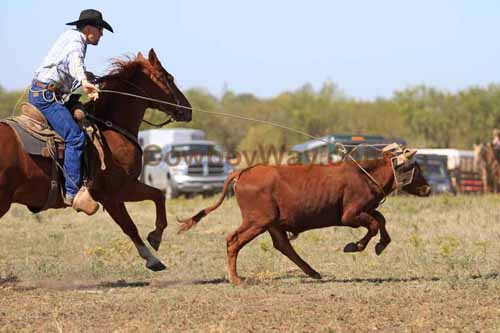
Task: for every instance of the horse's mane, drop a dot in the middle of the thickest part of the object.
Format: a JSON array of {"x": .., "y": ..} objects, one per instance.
[
  {"x": 120, "y": 68},
  {"x": 124, "y": 67},
  {"x": 125, "y": 64}
]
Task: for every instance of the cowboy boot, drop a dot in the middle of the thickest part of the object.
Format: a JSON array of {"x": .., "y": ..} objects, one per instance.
[{"x": 83, "y": 202}]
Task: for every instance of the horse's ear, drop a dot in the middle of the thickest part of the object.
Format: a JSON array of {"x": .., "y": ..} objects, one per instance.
[
  {"x": 140, "y": 57},
  {"x": 153, "y": 59}
]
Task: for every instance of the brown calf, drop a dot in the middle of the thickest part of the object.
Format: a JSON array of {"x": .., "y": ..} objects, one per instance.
[{"x": 281, "y": 199}]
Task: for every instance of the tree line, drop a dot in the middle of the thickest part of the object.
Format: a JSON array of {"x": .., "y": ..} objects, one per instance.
[{"x": 421, "y": 115}]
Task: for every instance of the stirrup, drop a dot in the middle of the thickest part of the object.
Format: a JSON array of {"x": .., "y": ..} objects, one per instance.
[
  {"x": 83, "y": 202},
  {"x": 68, "y": 200}
]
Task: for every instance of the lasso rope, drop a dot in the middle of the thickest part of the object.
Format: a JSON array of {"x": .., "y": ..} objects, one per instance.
[
  {"x": 19, "y": 100},
  {"x": 222, "y": 114},
  {"x": 339, "y": 145}
]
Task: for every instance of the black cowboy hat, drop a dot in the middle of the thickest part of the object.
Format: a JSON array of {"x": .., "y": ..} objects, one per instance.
[{"x": 91, "y": 17}]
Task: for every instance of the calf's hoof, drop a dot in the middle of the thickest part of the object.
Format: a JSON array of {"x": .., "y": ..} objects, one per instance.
[
  {"x": 153, "y": 241},
  {"x": 351, "y": 247},
  {"x": 379, "y": 248},
  {"x": 235, "y": 280},
  {"x": 156, "y": 267}
]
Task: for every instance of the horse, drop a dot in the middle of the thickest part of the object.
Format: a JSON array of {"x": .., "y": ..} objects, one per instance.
[
  {"x": 25, "y": 179},
  {"x": 486, "y": 161}
]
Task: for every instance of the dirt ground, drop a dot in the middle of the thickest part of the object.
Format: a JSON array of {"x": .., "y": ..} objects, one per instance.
[{"x": 60, "y": 272}]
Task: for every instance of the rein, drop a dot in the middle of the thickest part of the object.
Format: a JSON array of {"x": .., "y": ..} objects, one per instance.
[
  {"x": 110, "y": 124},
  {"x": 117, "y": 76},
  {"x": 120, "y": 130}
]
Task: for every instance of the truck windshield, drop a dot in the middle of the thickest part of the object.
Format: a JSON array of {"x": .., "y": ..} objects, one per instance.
[
  {"x": 195, "y": 149},
  {"x": 434, "y": 168}
]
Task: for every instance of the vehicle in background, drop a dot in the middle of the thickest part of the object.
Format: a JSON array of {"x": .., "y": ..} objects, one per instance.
[
  {"x": 328, "y": 149},
  {"x": 435, "y": 170},
  {"x": 461, "y": 169},
  {"x": 445, "y": 168},
  {"x": 180, "y": 161},
  {"x": 164, "y": 136}
]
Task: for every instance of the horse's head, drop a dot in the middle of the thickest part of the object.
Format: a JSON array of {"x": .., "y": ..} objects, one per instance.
[{"x": 149, "y": 79}]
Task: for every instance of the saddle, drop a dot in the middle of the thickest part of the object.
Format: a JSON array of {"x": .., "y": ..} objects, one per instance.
[
  {"x": 37, "y": 138},
  {"x": 35, "y": 134}
]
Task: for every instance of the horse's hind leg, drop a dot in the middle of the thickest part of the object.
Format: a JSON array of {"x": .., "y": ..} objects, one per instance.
[
  {"x": 5, "y": 202},
  {"x": 5, "y": 195},
  {"x": 119, "y": 213}
]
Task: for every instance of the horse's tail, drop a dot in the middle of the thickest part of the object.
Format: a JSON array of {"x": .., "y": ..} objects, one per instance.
[{"x": 191, "y": 221}]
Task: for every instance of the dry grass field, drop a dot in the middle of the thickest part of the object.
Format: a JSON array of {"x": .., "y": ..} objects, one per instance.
[{"x": 63, "y": 272}]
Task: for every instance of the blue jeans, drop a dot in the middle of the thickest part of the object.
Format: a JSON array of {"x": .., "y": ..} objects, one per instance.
[{"x": 59, "y": 117}]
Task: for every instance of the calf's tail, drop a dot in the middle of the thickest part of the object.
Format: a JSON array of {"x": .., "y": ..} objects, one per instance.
[{"x": 191, "y": 221}]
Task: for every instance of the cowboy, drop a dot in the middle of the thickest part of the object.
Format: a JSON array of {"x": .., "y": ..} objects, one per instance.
[{"x": 60, "y": 74}]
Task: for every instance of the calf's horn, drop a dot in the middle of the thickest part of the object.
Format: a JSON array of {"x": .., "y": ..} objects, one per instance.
[{"x": 409, "y": 153}]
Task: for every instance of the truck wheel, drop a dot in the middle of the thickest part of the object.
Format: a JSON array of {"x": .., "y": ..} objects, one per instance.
[{"x": 171, "y": 192}]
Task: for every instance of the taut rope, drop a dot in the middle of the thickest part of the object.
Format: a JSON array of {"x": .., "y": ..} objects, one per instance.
[{"x": 222, "y": 114}]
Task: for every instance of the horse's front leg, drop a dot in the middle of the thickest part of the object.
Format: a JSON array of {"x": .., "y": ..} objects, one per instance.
[
  {"x": 138, "y": 191},
  {"x": 119, "y": 213}
]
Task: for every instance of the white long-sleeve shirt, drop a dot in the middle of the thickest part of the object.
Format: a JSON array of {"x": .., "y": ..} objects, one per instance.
[{"x": 64, "y": 65}]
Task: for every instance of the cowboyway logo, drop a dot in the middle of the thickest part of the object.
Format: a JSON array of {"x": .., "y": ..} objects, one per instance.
[{"x": 268, "y": 154}]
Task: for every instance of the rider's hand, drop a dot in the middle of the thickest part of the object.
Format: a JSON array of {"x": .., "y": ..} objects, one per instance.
[
  {"x": 78, "y": 114},
  {"x": 90, "y": 89}
]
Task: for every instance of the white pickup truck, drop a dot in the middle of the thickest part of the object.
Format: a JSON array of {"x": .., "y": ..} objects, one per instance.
[{"x": 180, "y": 161}]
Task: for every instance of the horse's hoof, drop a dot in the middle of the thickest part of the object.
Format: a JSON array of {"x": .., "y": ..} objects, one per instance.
[
  {"x": 351, "y": 247},
  {"x": 157, "y": 267},
  {"x": 155, "y": 243},
  {"x": 379, "y": 248}
]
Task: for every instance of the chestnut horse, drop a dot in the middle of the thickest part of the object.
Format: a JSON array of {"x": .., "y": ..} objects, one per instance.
[{"x": 25, "y": 179}]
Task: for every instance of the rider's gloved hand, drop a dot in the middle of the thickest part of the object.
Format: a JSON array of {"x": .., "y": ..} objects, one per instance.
[{"x": 90, "y": 89}]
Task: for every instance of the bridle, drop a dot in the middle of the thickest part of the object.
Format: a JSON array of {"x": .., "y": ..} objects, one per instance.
[
  {"x": 170, "y": 118},
  {"x": 109, "y": 124}
]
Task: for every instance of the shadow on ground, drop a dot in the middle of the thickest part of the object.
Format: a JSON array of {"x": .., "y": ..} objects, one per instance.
[
  {"x": 13, "y": 282},
  {"x": 332, "y": 279}
]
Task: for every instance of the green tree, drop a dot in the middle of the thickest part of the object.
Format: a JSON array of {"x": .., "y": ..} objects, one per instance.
[{"x": 8, "y": 101}]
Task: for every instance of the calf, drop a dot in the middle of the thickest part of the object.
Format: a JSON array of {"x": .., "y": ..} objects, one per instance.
[{"x": 296, "y": 198}]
